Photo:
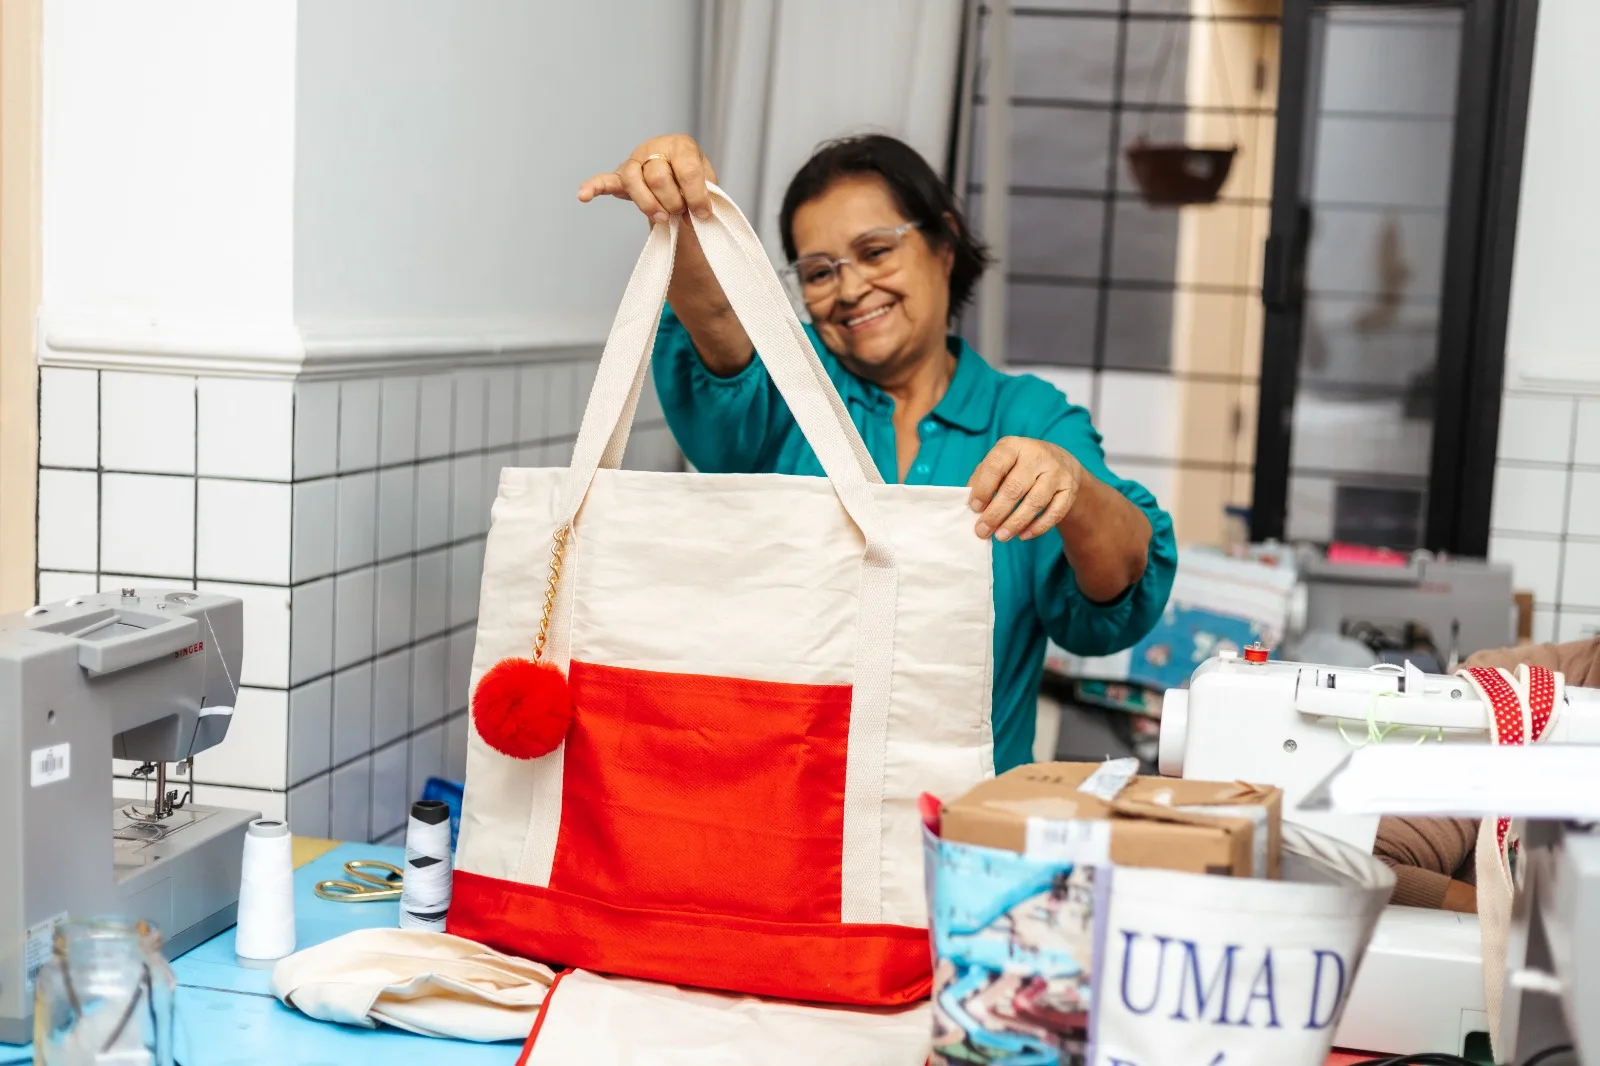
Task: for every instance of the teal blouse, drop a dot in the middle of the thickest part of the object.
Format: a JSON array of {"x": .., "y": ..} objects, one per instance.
[{"x": 741, "y": 425}]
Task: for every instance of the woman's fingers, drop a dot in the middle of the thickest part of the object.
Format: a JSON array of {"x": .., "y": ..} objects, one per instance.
[
  {"x": 639, "y": 191},
  {"x": 1011, "y": 493},
  {"x": 1060, "y": 504},
  {"x": 607, "y": 184},
  {"x": 1022, "y": 489},
  {"x": 1035, "y": 501},
  {"x": 1002, "y": 482},
  {"x": 665, "y": 176},
  {"x": 663, "y": 181},
  {"x": 986, "y": 480},
  {"x": 691, "y": 172}
]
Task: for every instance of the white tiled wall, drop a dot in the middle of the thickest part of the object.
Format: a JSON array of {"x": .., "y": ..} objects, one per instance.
[
  {"x": 1545, "y": 520},
  {"x": 348, "y": 516},
  {"x": 1137, "y": 415}
]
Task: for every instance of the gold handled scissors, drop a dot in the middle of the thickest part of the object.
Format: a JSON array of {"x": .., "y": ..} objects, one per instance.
[{"x": 367, "y": 887}]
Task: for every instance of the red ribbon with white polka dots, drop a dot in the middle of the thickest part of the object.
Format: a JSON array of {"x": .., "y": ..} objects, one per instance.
[{"x": 1521, "y": 707}]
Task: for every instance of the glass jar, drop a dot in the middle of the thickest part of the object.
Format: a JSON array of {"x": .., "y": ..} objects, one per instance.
[{"x": 105, "y": 996}]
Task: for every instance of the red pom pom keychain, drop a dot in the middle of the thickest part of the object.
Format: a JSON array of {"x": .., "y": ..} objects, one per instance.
[{"x": 522, "y": 707}]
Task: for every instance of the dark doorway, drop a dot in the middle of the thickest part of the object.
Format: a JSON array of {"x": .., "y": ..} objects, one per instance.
[{"x": 1396, "y": 175}]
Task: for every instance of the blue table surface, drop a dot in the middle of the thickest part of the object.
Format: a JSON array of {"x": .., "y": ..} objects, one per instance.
[{"x": 227, "y": 1015}]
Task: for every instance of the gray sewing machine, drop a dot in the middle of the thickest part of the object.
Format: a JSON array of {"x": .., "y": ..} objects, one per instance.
[
  {"x": 1464, "y": 605},
  {"x": 150, "y": 676}
]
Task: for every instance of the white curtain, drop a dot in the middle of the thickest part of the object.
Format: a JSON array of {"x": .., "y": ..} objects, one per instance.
[{"x": 782, "y": 77}]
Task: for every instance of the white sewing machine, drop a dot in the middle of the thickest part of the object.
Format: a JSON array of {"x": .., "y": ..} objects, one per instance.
[{"x": 1291, "y": 724}]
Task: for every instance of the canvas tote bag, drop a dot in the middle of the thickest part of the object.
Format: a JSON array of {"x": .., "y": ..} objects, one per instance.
[{"x": 766, "y": 671}]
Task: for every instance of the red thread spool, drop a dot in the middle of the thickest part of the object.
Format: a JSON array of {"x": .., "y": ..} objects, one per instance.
[{"x": 1257, "y": 653}]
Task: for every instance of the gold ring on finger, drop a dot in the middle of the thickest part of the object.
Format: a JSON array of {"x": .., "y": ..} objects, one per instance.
[{"x": 648, "y": 158}]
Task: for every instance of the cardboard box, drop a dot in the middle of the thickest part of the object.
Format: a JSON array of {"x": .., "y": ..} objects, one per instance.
[{"x": 1169, "y": 823}]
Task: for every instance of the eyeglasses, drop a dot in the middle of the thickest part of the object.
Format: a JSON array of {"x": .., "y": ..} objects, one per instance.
[{"x": 874, "y": 254}]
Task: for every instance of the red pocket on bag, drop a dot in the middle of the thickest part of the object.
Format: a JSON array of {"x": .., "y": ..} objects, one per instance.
[
  {"x": 702, "y": 838},
  {"x": 703, "y": 794}
]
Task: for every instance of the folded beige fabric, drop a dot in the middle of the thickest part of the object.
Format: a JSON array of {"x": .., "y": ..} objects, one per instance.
[
  {"x": 427, "y": 983},
  {"x": 636, "y": 1023}
]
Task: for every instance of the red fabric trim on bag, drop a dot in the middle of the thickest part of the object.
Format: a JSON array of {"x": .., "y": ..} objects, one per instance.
[
  {"x": 1506, "y": 717},
  {"x": 711, "y": 795},
  {"x": 1541, "y": 698},
  {"x": 850, "y": 965},
  {"x": 538, "y": 1021},
  {"x": 1505, "y": 722}
]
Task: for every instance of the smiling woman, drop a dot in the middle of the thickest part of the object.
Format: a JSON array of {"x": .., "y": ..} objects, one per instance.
[{"x": 883, "y": 260}]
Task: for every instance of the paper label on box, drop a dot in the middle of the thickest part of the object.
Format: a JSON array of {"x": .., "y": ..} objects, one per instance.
[
  {"x": 1110, "y": 778},
  {"x": 1258, "y": 837},
  {"x": 48, "y": 765},
  {"x": 1079, "y": 841},
  {"x": 36, "y": 950}
]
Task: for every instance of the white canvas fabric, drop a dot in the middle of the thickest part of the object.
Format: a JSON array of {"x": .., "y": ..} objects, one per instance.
[
  {"x": 842, "y": 580},
  {"x": 1236, "y": 970},
  {"x": 427, "y": 983},
  {"x": 610, "y": 1020}
]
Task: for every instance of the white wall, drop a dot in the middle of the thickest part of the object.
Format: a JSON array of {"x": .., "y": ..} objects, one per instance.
[
  {"x": 247, "y": 183},
  {"x": 168, "y": 132},
  {"x": 438, "y": 160},
  {"x": 790, "y": 76},
  {"x": 1546, "y": 516},
  {"x": 1555, "y": 315}
]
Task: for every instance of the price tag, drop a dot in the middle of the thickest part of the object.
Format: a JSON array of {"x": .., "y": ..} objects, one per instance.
[
  {"x": 48, "y": 765},
  {"x": 1079, "y": 841}
]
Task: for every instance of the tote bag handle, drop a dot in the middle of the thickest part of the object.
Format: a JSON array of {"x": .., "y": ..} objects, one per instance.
[
  {"x": 758, "y": 299},
  {"x": 745, "y": 237}
]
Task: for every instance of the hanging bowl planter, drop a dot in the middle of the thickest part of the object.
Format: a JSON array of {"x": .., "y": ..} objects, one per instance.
[
  {"x": 1173, "y": 173},
  {"x": 1177, "y": 175}
]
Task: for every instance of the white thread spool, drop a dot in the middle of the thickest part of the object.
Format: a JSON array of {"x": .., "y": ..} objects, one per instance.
[
  {"x": 425, "y": 894},
  {"x": 266, "y": 895}
]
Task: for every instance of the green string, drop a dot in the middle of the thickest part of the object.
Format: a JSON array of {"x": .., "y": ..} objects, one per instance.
[{"x": 1378, "y": 732}]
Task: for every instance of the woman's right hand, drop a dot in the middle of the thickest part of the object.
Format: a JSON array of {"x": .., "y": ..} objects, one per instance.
[
  {"x": 663, "y": 176},
  {"x": 666, "y": 176}
]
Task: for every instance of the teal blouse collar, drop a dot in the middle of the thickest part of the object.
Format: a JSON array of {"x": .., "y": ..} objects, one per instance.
[{"x": 968, "y": 403}]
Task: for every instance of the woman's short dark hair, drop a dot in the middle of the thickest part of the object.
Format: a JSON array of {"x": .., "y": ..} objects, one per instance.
[{"x": 920, "y": 194}]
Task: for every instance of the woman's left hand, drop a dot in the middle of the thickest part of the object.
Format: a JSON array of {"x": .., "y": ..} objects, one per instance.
[{"x": 1024, "y": 488}]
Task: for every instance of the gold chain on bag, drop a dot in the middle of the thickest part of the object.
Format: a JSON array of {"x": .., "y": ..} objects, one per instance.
[{"x": 556, "y": 554}]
